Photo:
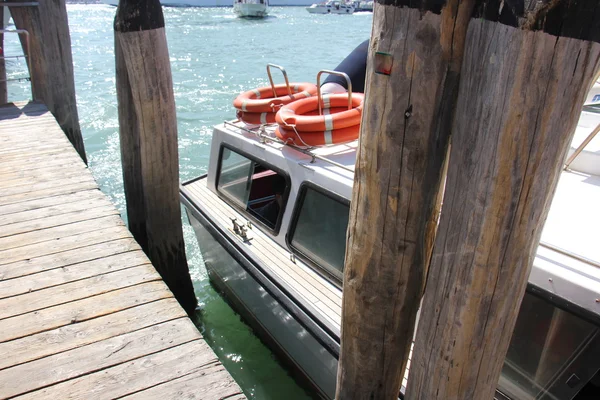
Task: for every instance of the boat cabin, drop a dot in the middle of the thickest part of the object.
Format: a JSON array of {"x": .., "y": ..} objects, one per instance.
[{"x": 271, "y": 221}]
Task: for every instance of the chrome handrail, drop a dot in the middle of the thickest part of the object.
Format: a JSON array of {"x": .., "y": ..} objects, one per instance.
[
  {"x": 287, "y": 83},
  {"x": 330, "y": 72}
]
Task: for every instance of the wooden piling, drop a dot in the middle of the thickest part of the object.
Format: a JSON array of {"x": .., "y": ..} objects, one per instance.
[
  {"x": 524, "y": 78},
  {"x": 3, "y": 86},
  {"x": 51, "y": 63},
  {"x": 148, "y": 130},
  {"x": 412, "y": 83}
]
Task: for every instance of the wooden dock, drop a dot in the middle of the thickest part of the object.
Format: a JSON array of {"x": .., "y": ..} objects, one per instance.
[{"x": 83, "y": 313}]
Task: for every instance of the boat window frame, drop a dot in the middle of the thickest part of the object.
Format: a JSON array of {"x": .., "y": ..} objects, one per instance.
[
  {"x": 317, "y": 267},
  {"x": 281, "y": 172}
]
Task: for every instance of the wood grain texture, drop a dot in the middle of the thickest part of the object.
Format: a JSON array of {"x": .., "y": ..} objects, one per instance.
[
  {"x": 151, "y": 90},
  {"x": 51, "y": 63},
  {"x": 133, "y": 376},
  {"x": 404, "y": 136},
  {"x": 94, "y": 357},
  {"x": 520, "y": 98},
  {"x": 72, "y": 336}
]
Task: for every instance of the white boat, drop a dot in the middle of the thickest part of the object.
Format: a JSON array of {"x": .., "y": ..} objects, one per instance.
[
  {"x": 218, "y": 3},
  {"x": 251, "y": 8},
  {"x": 331, "y": 7},
  {"x": 284, "y": 275}
]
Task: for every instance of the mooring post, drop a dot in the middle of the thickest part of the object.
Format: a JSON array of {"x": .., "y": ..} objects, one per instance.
[
  {"x": 412, "y": 83},
  {"x": 525, "y": 74},
  {"x": 51, "y": 62},
  {"x": 3, "y": 86},
  {"x": 148, "y": 131}
]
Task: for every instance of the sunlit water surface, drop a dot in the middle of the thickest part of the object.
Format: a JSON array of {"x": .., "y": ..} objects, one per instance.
[{"x": 214, "y": 56}]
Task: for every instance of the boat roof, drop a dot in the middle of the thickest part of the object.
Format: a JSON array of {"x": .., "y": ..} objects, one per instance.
[{"x": 567, "y": 263}]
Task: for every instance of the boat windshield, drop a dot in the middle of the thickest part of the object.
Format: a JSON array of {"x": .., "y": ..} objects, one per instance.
[{"x": 253, "y": 186}]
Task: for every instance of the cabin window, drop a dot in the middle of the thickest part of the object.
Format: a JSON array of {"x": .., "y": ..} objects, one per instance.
[
  {"x": 552, "y": 354},
  {"x": 319, "y": 229},
  {"x": 253, "y": 186}
]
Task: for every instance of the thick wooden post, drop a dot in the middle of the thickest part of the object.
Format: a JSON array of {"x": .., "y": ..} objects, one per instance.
[
  {"x": 3, "y": 86},
  {"x": 523, "y": 82},
  {"x": 148, "y": 130},
  {"x": 51, "y": 63},
  {"x": 412, "y": 83}
]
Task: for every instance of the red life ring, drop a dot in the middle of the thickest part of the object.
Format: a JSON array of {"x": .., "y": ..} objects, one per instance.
[
  {"x": 256, "y": 118},
  {"x": 302, "y": 139},
  {"x": 303, "y": 114},
  {"x": 261, "y": 100}
]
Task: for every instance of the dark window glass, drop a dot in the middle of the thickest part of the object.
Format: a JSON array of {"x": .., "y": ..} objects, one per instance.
[
  {"x": 320, "y": 230},
  {"x": 252, "y": 186},
  {"x": 548, "y": 346}
]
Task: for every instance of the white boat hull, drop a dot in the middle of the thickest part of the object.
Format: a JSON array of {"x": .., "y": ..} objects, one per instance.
[{"x": 252, "y": 10}]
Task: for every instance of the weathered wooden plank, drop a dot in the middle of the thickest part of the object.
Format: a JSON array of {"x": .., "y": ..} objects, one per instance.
[
  {"x": 26, "y": 192},
  {"x": 45, "y": 222},
  {"x": 74, "y": 272},
  {"x": 35, "y": 162},
  {"x": 7, "y": 153},
  {"x": 30, "y": 177},
  {"x": 82, "y": 310},
  {"x": 212, "y": 382},
  {"x": 76, "y": 335},
  {"x": 44, "y": 185},
  {"x": 51, "y": 234},
  {"x": 52, "y": 202},
  {"x": 133, "y": 376},
  {"x": 60, "y": 251},
  {"x": 77, "y": 290},
  {"x": 95, "y": 357}
]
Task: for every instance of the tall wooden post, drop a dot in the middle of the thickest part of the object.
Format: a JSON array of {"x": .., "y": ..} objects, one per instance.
[
  {"x": 148, "y": 131},
  {"x": 524, "y": 77},
  {"x": 3, "y": 86},
  {"x": 412, "y": 83},
  {"x": 51, "y": 63}
]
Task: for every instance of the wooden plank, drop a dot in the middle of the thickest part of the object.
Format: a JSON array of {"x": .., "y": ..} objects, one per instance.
[
  {"x": 84, "y": 183},
  {"x": 30, "y": 177},
  {"x": 133, "y": 376},
  {"x": 62, "y": 275},
  {"x": 82, "y": 310},
  {"x": 34, "y": 162},
  {"x": 50, "y": 234},
  {"x": 46, "y": 222},
  {"x": 6, "y": 153},
  {"x": 212, "y": 382},
  {"x": 42, "y": 186},
  {"x": 52, "y": 202},
  {"x": 60, "y": 251},
  {"x": 76, "y": 335},
  {"x": 77, "y": 290},
  {"x": 96, "y": 357}
]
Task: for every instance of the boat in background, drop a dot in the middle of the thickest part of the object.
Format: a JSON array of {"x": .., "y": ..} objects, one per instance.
[
  {"x": 331, "y": 7},
  {"x": 362, "y": 6},
  {"x": 251, "y": 8},
  {"x": 218, "y": 3}
]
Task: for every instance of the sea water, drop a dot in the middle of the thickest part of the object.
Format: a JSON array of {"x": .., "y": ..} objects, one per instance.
[{"x": 214, "y": 56}]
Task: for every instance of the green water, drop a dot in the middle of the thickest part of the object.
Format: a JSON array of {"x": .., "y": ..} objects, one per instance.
[{"x": 214, "y": 55}]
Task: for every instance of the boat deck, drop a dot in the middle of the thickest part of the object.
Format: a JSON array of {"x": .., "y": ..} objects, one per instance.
[{"x": 83, "y": 313}]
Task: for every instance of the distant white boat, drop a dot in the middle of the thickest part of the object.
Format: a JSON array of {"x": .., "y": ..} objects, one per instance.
[
  {"x": 251, "y": 8},
  {"x": 331, "y": 7},
  {"x": 218, "y": 3}
]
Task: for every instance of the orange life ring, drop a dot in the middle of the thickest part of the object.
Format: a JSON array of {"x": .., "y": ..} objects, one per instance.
[
  {"x": 256, "y": 118},
  {"x": 301, "y": 114},
  {"x": 302, "y": 139},
  {"x": 261, "y": 100}
]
